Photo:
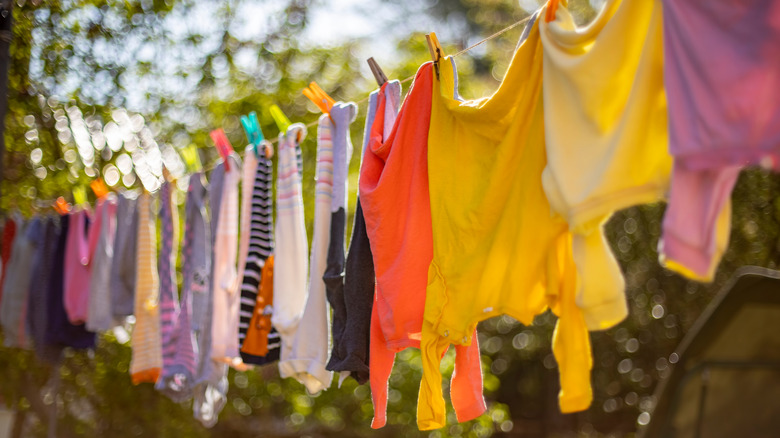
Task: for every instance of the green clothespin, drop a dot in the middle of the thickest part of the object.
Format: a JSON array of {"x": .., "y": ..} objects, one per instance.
[
  {"x": 253, "y": 132},
  {"x": 282, "y": 122},
  {"x": 79, "y": 195},
  {"x": 192, "y": 158}
]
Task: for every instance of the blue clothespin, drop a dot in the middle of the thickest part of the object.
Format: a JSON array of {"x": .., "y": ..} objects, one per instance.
[{"x": 253, "y": 132}]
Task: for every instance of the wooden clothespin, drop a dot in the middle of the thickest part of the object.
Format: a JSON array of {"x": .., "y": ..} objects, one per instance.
[
  {"x": 319, "y": 97},
  {"x": 99, "y": 188},
  {"x": 61, "y": 206},
  {"x": 552, "y": 8},
  {"x": 379, "y": 75},
  {"x": 281, "y": 120},
  {"x": 436, "y": 51},
  {"x": 223, "y": 145},
  {"x": 253, "y": 132}
]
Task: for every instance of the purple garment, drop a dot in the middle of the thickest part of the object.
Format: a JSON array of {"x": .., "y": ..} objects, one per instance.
[{"x": 59, "y": 331}]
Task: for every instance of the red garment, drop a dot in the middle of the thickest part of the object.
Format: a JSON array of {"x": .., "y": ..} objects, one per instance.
[
  {"x": 396, "y": 206},
  {"x": 9, "y": 231}
]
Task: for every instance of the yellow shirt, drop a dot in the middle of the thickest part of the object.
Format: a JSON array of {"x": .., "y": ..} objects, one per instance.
[
  {"x": 496, "y": 248},
  {"x": 605, "y": 119}
]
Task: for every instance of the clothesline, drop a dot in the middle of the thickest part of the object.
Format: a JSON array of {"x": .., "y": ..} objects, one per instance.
[{"x": 467, "y": 49}]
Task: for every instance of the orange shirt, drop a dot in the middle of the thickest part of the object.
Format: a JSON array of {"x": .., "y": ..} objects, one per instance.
[{"x": 397, "y": 210}]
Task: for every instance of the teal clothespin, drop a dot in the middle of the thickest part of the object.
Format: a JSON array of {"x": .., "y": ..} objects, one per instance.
[{"x": 253, "y": 132}]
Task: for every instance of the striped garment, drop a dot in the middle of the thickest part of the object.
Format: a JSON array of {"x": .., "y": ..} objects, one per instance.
[
  {"x": 291, "y": 242},
  {"x": 146, "y": 360},
  {"x": 169, "y": 299},
  {"x": 307, "y": 355},
  {"x": 257, "y": 233}
]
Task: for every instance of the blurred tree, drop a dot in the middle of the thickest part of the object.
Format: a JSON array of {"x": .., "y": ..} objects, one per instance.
[{"x": 109, "y": 88}]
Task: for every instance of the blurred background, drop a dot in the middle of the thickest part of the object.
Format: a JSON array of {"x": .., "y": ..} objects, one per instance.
[{"x": 110, "y": 88}]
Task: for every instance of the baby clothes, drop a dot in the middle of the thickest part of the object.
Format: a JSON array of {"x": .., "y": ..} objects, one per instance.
[
  {"x": 397, "y": 210},
  {"x": 78, "y": 253},
  {"x": 169, "y": 297},
  {"x": 99, "y": 314},
  {"x": 257, "y": 233},
  {"x": 721, "y": 72},
  {"x": 306, "y": 355},
  {"x": 123, "y": 263},
  {"x": 605, "y": 119},
  {"x": 179, "y": 366},
  {"x": 45, "y": 244},
  {"x": 291, "y": 249},
  {"x": 146, "y": 361},
  {"x": 60, "y": 332},
  {"x": 261, "y": 344},
  {"x": 352, "y": 307},
  {"x": 16, "y": 287},
  {"x": 9, "y": 232},
  {"x": 224, "y": 328}
]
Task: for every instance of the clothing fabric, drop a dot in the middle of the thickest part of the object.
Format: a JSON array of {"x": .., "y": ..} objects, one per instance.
[
  {"x": 13, "y": 307},
  {"x": 257, "y": 233},
  {"x": 210, "y": 391},
  {"x": 9, "y": 232},
  {"x": 60, "y": 332},
  {"x": 224, "y": 328},
  {"x": 99, "y": 314},
  {"x": 721, "y": 76},
  {"x": 145, "y": 342},
  {"x": 169, "y": 297},
  {"x": 262, "y": 343},
  {"x": 45, "y": 245},
  {"x": 605, "y": 117},
  {"x": 123, "y": 268},
  {"x": 179, "y": 365},
  {"x": 78, "y": 255},
  {"x": 291, "y": 243},
  {"x": 397, "y": 210},
  {"x": 352, "y": 310},
  {"x": 305, "y": 357}
]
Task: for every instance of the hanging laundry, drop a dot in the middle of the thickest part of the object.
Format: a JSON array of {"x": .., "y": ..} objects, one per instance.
[
  {"x": 9, "y": 232},
  {"x": 605, "y": 118},
  {"x": 306, "y": 355},
  {"x": 397, "y": 210},
  {"x": 262, "y": 343},
  {"x": 123, "y": 263},
  {"x": 224, "y": 326},
  {"x": 352, "y": 308},
  {"x": 60, "y": 332},
  {"x": 291, "y": 250},
  {"x": 211, "y": 385},
  {"x": 169, "y": 297},
  {"x": 257, "y": 243},
  {"x": 179, "y": 366},
  {"x": 45, "y": 244},
  {"x": 16, "y": 287},
  {"x": 721, "y": 72},
  {"x": 146, "y": 360},
  {"x": 78, "y": 254},
  {"x": 343, "y": 115},
  {"x": 99, "y": 314}
]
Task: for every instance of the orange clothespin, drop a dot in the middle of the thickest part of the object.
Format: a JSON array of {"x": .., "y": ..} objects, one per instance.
[
  {"x": 223, "y": 145},
  {"x": 552, "y": 8},
  {"x": 436, "y": 51},
  {"x": 319, "y": 97},
  {"x": 99, "y": 188},
  {"x": 61, "y": 206}
]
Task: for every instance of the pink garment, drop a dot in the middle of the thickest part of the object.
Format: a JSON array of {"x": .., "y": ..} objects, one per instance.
[
  {"x": 722, "y": 76},
  {"x": 79, "y": 247}
]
